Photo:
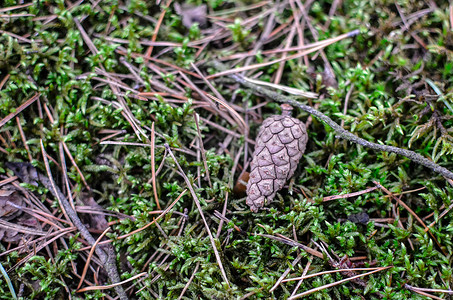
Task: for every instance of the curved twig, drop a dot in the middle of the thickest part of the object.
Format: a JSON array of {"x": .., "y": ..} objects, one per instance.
[{"x": 341, "y": 133}]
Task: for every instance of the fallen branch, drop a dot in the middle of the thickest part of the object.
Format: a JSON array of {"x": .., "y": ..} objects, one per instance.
[
  {"x": 341, "y": 133},
  {"x": 106, "y": 254}
]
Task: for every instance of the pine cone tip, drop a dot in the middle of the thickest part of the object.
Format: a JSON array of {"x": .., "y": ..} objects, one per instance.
[{"x": 286, "y": 109}]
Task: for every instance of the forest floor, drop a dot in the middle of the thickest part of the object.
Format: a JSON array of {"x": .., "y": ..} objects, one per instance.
[{"x": 127, "y": 129}]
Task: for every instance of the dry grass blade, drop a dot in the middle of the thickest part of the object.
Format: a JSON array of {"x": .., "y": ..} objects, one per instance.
[
  {"x": 398, "y": 200},
  {"x": 335, "y": 197},
  {"x": 2, "y": 10},
  {"x": 65, "y": 175},
  {"x": 289, "y": 41},
  {"x": 156, "y": 30},
  {"x": 203, "y": 151},
  {"x": 299, "y": 26},
  {"x": 299, "y": 283},
  {"x": 153, "y": 165},
  {"x": 8, "y": 180},
  {"x": 429, "y": 290},
  {"x": 126, "y": 112},
  {"x": 219, "y": 229},
  {"x": 292, "y": 243},
  {"x": 146, "y": 145},
  {"x": 225, "y": 219},
  {"x": 90, "y": 255},
  {"x": 146, "y": 226},
  {"x": 423, "y": 291},
  {"x": 55, "y": 191},
  {"x": 39, "y": 247},
  {"x": 125, "y": 52},
  {"x": 336, "y": 283},
  {"x": 281, "y": 279},
  {"x": 287, "y": 89},
  {"x": 106, "y": 287},
  {"x": 346, "y": 101},
  {"x": 441, "y": 215},
  {"x": 208, "y": 83},
  {"x": 233, "y": 112},
  {"x": 324, "y": 44},
  {"x": 19, "y": 109},
  {"x": 16, "y": 16},
  {"x": 451, "y": 17},
  {"x": 188, "y": 282},
  {"x": 197, "y": 202},
  {"x": 240, "y": 9},
  {"x": 425, "y": 294},
  {"x": 235, "y": 121},
  {"x": 329, "y": 272},
  {"x": 71, "y": 158},
  {"x": 20, "y": 228},
  {"x": 24, "y": 140}
]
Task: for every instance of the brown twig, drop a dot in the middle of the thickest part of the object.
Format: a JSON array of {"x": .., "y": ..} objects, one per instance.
[
  {"x": 156, "y": 30},
  {"x": 90, "y": 255},
  {"x": 153, "y": 165},
  {"x": 398, "y": 200}
]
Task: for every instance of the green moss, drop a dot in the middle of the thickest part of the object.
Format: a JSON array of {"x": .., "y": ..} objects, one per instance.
[{"x": 399, "y": 94}]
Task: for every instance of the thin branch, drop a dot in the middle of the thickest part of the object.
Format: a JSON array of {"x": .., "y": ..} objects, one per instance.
[
  {"x": 52, "y": 187},
  {"x": 341, "y": 133}
]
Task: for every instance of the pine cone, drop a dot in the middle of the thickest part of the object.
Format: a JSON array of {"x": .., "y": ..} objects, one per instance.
[{"x": 279, "y": 146}]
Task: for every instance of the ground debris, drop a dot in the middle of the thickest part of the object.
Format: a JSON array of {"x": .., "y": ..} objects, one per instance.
[{"x": 15, "y": 225}]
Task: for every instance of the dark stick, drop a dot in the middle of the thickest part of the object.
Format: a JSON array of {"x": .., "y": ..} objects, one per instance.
[
  {"x": 341, "y": 133},
  {"x": 108, "y": 257}
]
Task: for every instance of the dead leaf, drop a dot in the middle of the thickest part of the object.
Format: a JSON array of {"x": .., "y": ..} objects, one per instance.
[
  {"x": 15, "y": 225},
  {"x": 96, "y": 219},
  {"x": 10, "y": 202},
  {"x": 362, "y": 218},
  {"x": 192, "y": 14},
  {"x": 25, "y": 171},
  {"x": 328, "y": 78}
]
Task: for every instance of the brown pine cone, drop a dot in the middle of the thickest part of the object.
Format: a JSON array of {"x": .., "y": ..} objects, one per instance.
[{"x": 279, "y": 146}]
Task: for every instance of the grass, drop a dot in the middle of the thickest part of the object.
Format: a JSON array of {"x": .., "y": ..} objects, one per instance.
[{"x": 104, "y": 86}]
